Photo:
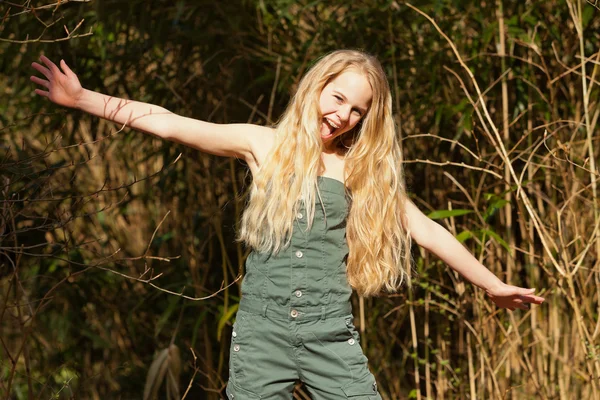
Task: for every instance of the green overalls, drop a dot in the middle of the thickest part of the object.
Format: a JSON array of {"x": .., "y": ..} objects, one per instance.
[{"x": 295, "y": 318}]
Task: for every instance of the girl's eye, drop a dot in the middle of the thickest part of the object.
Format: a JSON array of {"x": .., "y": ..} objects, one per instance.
[
  {"x": 357, "y": 112},
  {"x": 338, "y": 98}
]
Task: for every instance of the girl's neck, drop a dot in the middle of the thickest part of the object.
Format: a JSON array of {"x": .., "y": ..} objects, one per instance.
[{"x": 336, "y": 147}]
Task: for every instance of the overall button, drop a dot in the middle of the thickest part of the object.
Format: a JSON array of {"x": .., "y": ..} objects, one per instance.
[
  {"x": 234, "y": 334},
  {"x": 236, "y": 348},
  {"x": 351, "y": 341},
  {"x": 299, "y": 254},
  {"x": 299, "y": 215},
  {"x": 294, "y": 313},
  {"x": 298, "y": 293}
]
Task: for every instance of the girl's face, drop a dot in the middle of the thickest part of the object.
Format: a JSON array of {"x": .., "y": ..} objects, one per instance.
[{"x": 344, "y": 102}]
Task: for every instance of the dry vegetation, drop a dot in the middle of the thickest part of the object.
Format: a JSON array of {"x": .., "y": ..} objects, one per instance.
[{"x": 117, "y": 250}]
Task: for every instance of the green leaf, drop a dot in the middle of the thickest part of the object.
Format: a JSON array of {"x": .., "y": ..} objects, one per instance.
[
  {"x": 439, "y": 214},
  {"x": 588, "y": 13},
  {"x": 173, "y": 300},
  {"x": 199, "y": 320},
  {"x": 225, "y": 318},
  {"x": 467, "y": 120},
  {"x": 496, "y": 203},
  {"x": 497, "y": 238},
  {"x": 162, "y": 239},
  {"x": 464, "y": 235}
]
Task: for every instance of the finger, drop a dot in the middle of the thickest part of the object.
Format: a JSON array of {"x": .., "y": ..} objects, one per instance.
[
  {"x": 45, "y": 71},
  {"x": 524, "y": 306},
  {"x": 42, "y": 92},
  {"x": 66, "y": 68},
  {"x": 40, "y": 81},
  {"x": 524, "y": 291},
  {"x": 510, "y": 290},
  {"x": 532, "y": 299},
  {"x": 50, "y": 65}
]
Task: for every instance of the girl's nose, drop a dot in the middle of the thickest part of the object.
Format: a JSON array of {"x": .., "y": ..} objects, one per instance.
[{"x": 344, "y": 112}]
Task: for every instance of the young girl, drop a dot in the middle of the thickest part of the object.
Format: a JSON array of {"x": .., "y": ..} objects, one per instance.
[{"x": 327, "y": 213}]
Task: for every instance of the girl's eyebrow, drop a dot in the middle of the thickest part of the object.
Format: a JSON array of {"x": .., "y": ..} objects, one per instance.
[{"x": 361, "y": 109}]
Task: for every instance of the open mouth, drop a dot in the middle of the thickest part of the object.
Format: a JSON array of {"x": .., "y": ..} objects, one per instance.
[{"x": 330, "y": 128}]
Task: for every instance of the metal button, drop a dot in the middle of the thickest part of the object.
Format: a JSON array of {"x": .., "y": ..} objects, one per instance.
[
  {"x": 298, "y": 293},
  {"x": 375, "y": 386},
  {"x": 299, "y": 215},
  {"x": 299, "y": 254},
  {"x": 234, "y": 334},
  {"x": 236, "y": 347},
  {"x": 294, "y": 313},
  {"x": 351, "y": 342}
]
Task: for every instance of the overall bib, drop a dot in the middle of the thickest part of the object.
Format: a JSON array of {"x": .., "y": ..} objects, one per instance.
[{"x": 295, "y": 318}]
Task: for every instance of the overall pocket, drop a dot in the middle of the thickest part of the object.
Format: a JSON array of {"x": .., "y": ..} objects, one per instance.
[
  {"x": 237, "y": 393},
  {"x": 363, "y": 385},
  {"x": 240, "y": 344},
  {"x": 353, "y": 337},
  {"x": 365, "y": 389}
]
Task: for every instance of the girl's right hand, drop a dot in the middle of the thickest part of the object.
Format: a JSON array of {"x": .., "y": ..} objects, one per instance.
[{"x": 63, "y": 87}]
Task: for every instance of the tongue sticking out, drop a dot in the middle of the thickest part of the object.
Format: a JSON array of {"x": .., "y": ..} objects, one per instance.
[{"x": 327, "y": 130}]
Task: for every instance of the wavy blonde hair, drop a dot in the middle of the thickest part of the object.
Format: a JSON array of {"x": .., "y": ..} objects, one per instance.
[{"x": 376, "y": 231}]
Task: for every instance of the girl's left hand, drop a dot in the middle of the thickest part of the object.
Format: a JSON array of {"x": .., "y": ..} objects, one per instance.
[{"x": 513, "y": 297}]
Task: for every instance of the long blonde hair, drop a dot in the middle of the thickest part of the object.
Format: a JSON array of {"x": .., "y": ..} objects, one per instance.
[{"x": 376, "y": 231}]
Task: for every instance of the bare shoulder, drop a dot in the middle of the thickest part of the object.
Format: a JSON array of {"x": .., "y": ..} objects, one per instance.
[{"x": 261, "y": 140}]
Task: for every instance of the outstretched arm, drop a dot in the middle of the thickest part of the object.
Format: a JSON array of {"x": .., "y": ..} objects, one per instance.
[
  {"x": 435, "y": 238},
  {"x": 63, "y": 88}
]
